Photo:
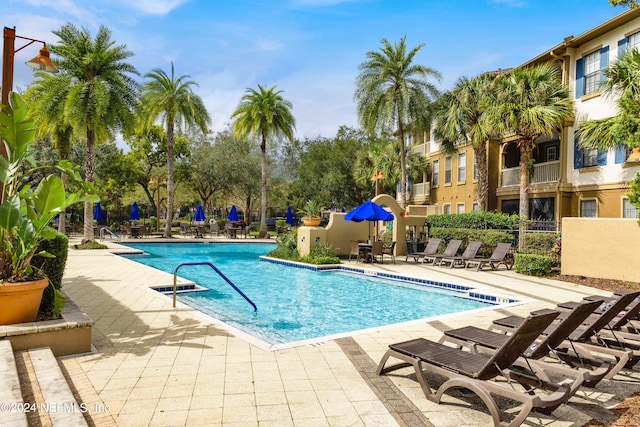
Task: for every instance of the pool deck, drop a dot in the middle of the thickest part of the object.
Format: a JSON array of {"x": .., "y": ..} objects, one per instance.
[{"x": 156, "y": 365}]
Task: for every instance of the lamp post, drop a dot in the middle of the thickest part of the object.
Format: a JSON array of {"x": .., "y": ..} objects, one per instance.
[
  {"x": 151, "y": 182},
  {"x": 41, "y": 62}
]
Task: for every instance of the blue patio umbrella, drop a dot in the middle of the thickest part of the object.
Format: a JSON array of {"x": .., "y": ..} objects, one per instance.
[
  {"x": 368, "y": 211},
  {"x": 199, "y": 216},
  {"x": 289, "y": 219},
  {"x": 134, "y": 215},
  {"x": 233, "y": 214},
  {"x": 97, "y": 212}
]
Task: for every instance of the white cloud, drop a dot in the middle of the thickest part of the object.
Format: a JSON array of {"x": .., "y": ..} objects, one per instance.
[{"x": 154, "y": 7}]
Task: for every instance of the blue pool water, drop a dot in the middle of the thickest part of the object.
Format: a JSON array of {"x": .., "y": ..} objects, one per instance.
[{"x": 294, "y": 303}]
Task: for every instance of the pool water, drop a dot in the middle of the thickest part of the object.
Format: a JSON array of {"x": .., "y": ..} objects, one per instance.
[{"x": 294, "y": 303}]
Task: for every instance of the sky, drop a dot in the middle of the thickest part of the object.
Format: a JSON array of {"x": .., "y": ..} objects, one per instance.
[{"x": 308, "y": 49}]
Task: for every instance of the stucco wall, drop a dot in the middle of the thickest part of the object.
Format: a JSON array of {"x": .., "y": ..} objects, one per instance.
[{"x": 601, "y": 247}]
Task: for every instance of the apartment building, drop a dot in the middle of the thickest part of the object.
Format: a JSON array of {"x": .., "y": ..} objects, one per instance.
[{"x": 565, "y": 180}]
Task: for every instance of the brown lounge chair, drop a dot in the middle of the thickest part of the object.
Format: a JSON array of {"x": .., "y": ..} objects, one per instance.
[
  {"x": 469, "y": 253},
  {"x": 430, "y": 249},
  {"x": 476, "y": 371},
  {"x": 497, "y": 257},
  {"x": 537, "y": 357},
  {"x": 587, "y": 342},
  {"x": 449, "y": 251}
]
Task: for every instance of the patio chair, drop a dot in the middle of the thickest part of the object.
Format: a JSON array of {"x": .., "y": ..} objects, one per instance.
[
  {"x": 449, "y": 251},
  {"x": 355, "y": 250},
  {"x": 214, "y": 228},
  {"x": 497, "y": 257},
  {"x": 388, "y": 250},
  {"x": 430, "y": 249},
  {"x": 469, "y": 253},
  {"x": 588, "y": 342},
  {"x": 537, "y": 357},
  {"x": 377, "y": 251},
  {"x": 185, "y": 229},
  {"x": 476, "y": 372}
]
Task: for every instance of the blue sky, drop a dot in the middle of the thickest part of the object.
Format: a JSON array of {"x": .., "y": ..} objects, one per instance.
[{"x": 309, "y": 49}]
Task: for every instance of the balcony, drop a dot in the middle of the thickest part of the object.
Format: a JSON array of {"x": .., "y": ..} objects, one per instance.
[
  {"x": 419, "y": 192},
  {"x": 420, "y": 149},
  {"x": 542, "y": 173}
]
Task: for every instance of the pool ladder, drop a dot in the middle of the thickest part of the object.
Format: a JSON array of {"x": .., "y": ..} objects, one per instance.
[{"x": 175, "y": 276}]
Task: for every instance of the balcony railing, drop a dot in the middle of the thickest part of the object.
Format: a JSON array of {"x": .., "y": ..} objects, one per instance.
[
  {"x": 542, "y": 173},
  {"x": 420, "y": 149},
  {"x": 417, "y": 190}
]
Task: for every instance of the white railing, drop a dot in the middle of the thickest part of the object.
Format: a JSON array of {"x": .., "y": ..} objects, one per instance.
[
  {"x": 418, "y": 190},
  {"x": 543, "y": 172},
  {"x": 419, "y": 149}
]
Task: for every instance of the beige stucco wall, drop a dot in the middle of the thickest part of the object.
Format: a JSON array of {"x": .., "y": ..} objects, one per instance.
[{"x": 601, "y": 247}]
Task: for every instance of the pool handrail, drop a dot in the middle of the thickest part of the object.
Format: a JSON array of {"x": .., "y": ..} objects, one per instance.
[
  {"x": 110, "y": 231},
  {"x": 175, "y": 287}
]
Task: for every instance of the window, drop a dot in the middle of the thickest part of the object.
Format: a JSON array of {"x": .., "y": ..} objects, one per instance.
[
  {"x": 462, "y": 167},
  {"x": 475, "y": 167},
  {"x": 460, "y": 208},
  {"x": 583, "y": 158},
  {"x": 588, "y": 208},
  {"x": 435, "y": 180},
  {"x": 447, "y": 170},
  {"x": 633, "y": 41},
  {"x": 552, "y": 153},
  {"x": 591, "y": 72},
  {"x": 446, "y": 209},
  {"x": 628, "y": 210},
  {"x": 590, "y": 157},
  {"x": 475, "y": 207}
]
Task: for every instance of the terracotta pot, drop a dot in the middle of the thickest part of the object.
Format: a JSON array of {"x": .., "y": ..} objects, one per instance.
[
  {"x": 310, "y": 221},
  {"x": 19, "y": 302}
]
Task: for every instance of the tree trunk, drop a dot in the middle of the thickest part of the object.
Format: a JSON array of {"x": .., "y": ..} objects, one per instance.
[
  {"x": 170, "y": 159},
  {"x": 263, "y": 197},
  {"x": 403, "y": 168},
  {"x": 89, "y": 166},
  {"x": 483, "y": 175},
  {"x": 525, "y": 155}
]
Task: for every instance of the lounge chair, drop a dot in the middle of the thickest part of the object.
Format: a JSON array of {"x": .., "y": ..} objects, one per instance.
[
  {"x": 430, "y": 249},
  {"x": 469, "y": 253},
  {"x": 589, "y": 372},
  {"x": 586, "y": 340},
  {"x": 450, "y": 251},
  {"x": 497, "y": 257},
  {"x": 476, "y": 371}
]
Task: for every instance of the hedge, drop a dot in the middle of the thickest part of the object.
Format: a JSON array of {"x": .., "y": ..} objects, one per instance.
[
  {"x": 475, "y": 220},
  {"x": 538, "y": 243},
  {"x": 53, "y": 268},
  {"x": 533, "y": 265},
  {"x": 488, "y": 238}
]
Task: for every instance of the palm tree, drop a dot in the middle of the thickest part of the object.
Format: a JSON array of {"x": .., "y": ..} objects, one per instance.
[
  {"x": 623, "y": 80},
  {"x": 529, "y": 102},
  {"x": 94, "y": 90},
  {"x": 262, "y": 114},
  {"x": 393, "y": 93},
  {"x": 458, "y": 123},
  {"x": 172, "y": 100}
]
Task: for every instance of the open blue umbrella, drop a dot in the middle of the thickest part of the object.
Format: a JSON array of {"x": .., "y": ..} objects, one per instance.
[
  {"x": 97, "y": 212},
  {"x": 289, "y": 219},
  {"x": 233, "y": 214},
  {"x": 368, "y": 211},
  {"x": 199, "y": 216},
  {"x": 134, "y": 215}
]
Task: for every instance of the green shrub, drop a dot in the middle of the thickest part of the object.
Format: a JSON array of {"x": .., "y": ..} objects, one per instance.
[
  {"x": 475, "y": 220},
  {"x": 321, "y": 254},
  {"x": 488, "y": 238},
  {"x": 537, "y": 243},
  {"x": 287, "y": 246},
  {"x": 53, "y": 268},
  {"x": 533, "y": 265}
]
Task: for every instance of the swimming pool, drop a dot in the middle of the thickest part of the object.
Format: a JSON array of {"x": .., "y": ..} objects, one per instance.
[{"x": 294, "y": 304}]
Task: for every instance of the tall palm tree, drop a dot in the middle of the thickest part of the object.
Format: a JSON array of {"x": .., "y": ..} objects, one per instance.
[
  {"x": 458, "y": 122},
  {"x": 171, "y": 99},
  {"x": 529, "y": 102},
  {"x": 623, "y": 80},
  {"x": 393, "y": 93},
  {"x": 95, "y": 89},
  {"x": 262, "y": 114}
]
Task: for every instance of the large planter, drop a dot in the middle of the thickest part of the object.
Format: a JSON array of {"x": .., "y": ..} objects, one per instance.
[
  {"x": 19, "y": 302},
  {"x": 311, "y": 221}
]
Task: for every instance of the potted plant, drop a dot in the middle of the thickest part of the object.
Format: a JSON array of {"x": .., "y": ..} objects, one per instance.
[
  {"x": 311, "y": 213},
  {"x": 25, "y": 213}
]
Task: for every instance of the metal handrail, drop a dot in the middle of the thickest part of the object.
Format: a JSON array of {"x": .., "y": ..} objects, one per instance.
[
  {"x": 113, "y": 233},
  {"x": 175, "y": 287}
]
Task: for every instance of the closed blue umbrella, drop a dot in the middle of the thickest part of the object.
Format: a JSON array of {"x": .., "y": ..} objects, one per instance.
[
  {"x": 97, "y": 212},
  {"x": 199, "y": 216},
  {"x": 134, "y": 215},
  {"x": 233, "y": 214},
  {"x": 368, "y": 211},
  {"x": 289, "y": 219}
]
